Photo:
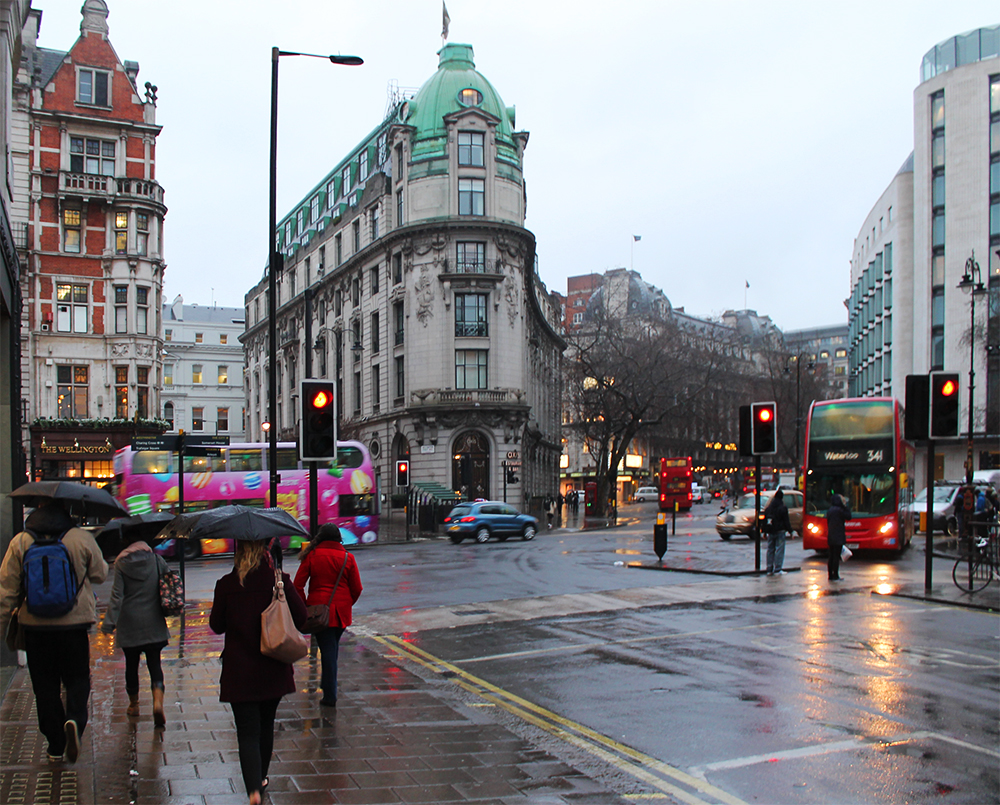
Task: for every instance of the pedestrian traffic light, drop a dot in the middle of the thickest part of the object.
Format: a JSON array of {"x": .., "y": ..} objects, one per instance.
[
  {"x": 763, "y": 428},
  {"x": 318, "y": 421},
  {"x": 511, "y": 474},
  {"x": 746, "y": 445},
  {"x": 402, "y": 473},
  {"x": 944, "y": 404},
  {"x": 917, "y": 415}
]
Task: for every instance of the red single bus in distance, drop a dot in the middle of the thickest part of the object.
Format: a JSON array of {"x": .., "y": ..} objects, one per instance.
[
  {"x": 675, "y": 483},
  {"x": 855, "y": 448}
]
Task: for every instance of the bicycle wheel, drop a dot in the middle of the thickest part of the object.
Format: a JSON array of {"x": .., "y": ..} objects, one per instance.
[{"x": 973, "y": 575}]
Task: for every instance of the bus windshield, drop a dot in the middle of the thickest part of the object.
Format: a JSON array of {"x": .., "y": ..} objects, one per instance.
[{"x": 867, "y": 494}]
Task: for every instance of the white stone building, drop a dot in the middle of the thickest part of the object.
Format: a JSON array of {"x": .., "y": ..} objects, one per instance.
[
  {"x": 203, "y": 370},
  {"x": 425, "y": 306},
  {"x": 907, "y": 312}
]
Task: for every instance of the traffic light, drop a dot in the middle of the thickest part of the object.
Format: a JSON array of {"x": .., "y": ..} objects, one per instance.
[
  {"x": 944, "y": 404},
  {"x": 917, "y": 414},
  {"x": 763, "y": 428},
  {"x": 402, "y": 473},
  {"x": 511, "y": 472},
  {"x": 746, "y": 446},
  {"x": 318, "y": 437}
]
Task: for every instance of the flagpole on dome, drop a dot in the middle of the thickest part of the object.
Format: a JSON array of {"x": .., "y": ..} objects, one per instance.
[
  {"x": 631, "y": 259},
  {"x": 745, "y": 294},
  {"x": 445, "y": 20}
]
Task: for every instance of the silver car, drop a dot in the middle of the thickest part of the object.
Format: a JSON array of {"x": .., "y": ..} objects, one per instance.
[{"x": 739, "y": 520}]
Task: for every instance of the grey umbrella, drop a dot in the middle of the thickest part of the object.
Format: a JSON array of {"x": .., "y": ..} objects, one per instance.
[
  {"x": 233, "y": 522},
  {"x": 79, "y": 499}
]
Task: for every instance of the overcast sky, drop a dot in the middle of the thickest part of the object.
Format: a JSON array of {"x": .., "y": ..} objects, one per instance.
[{"x": 743, "y": 141}]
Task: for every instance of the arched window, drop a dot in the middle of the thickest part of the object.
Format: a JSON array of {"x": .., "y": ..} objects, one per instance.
[{"x": 168, "y": 414}]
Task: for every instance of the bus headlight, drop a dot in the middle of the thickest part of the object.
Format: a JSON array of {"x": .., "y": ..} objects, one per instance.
[{"x": 887, "y": 526}]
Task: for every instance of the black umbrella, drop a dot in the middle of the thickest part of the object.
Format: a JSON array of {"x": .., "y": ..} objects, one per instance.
[
  {"x": 79, "y": 499},
  {"x": 234, "y": 522},
  {"x": 121, "y": 532}
]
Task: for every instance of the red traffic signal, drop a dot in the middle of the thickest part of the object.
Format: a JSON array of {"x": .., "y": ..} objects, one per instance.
[
  {"x": 402, "y": 473},
  {"x": 763, "y": 430},
  {"x": 944, "y": 404},
  {"x": 318, "y": 437}
]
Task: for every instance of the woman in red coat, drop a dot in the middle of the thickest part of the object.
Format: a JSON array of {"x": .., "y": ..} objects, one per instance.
[
  {"x": 251, "y": 682},
  {"x": 329, "y": 568}
]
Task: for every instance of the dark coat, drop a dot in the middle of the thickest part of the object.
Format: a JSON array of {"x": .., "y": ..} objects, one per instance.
[
  {"x": 134, "y": 611},
  {"x": 247, "y": 675},
  {"x": 778, "y": 512},
  {"x": 320, "y": 567},
  {"x": 836, "y": 516}
]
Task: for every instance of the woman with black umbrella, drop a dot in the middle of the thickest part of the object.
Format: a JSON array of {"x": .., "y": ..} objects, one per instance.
[
  {"x": 252, "y": 682},
  {"x": 134, "y": 613}
]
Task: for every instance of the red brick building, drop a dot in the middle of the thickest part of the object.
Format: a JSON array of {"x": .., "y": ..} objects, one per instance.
[{"x": 87, "y": 215}]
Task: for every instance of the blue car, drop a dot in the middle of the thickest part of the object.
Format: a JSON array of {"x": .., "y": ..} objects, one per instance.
[{"x": 489, "y": 518}]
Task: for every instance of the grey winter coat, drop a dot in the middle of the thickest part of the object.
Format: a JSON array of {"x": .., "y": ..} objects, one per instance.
[{"x": 134, "y": 612}]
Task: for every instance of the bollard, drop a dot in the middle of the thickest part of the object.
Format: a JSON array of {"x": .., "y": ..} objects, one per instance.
[
  {"x": 673, "y": 519},
  {"x": 660, "y": 535}
]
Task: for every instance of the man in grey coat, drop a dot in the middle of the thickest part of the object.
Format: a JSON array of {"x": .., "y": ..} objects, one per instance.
[{"x": 58, "y": 648}]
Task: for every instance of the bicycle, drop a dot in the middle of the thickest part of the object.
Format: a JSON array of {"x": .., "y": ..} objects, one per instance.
[{"x": 975, "y": 570}]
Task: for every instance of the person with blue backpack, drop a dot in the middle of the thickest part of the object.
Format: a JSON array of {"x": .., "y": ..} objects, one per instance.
[{"x": 47, "y": 574}]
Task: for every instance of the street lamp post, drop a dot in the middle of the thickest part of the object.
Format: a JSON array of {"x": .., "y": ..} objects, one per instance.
[
  {"x": 273, "y": 267},
  {"x": 972, "y": 283}
]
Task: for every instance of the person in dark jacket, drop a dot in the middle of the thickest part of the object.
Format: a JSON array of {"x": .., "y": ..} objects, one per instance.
[
  {"x": 58, "y": 648},
  {"x": 135, "y": 615},
  {"x": 251, "y": 682},
  {"x": 325, "y": 563},
  {"x": 836, "y": 537},
  {"x": 776, "y": 518}
]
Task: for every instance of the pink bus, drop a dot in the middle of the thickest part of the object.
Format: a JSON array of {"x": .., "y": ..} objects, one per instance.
[{"x": 146, "y": 481}]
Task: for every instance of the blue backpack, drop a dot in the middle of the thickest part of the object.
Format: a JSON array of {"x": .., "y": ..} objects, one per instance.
[{"x": 50, "y": 583}]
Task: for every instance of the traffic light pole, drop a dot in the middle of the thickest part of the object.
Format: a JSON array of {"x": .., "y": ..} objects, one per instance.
[
  {"x": 313, "y": 479},
  {"x": 756, "y": 515},
  {"x": 929, "y": 542},
  {"x": 503, "y": 465}
]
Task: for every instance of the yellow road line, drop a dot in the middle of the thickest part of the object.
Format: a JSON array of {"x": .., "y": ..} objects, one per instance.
[{"x": 639, "y": 765}]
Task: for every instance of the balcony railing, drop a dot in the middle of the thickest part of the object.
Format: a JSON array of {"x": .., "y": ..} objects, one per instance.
[
  {"x": 473, "y": 266},
  {"x": 89, "y": 183},
  {"x": 471, "y": 329},
  {"x": 474, "y": 396},
  {"x": 140, "y": 188}
]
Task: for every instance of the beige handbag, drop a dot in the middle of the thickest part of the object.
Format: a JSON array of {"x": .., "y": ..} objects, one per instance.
[{"x": 279, "y": 639}]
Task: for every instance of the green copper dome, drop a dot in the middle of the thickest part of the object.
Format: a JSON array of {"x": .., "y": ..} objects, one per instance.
[{"x": 456, "y": 85}]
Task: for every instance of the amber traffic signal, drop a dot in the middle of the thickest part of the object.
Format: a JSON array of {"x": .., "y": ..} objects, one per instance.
[{"x": 318, "y": 440}]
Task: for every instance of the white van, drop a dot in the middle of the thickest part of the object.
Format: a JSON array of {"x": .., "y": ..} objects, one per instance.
[
  {"x": 991, "y": 477},
  {"x": 700, "y": 494}
]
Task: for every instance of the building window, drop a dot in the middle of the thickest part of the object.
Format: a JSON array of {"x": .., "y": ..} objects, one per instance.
[
  {"x": 121, "y": 233},
  {"x": 399, "y": 208},
  {"x": 71, "y": 308},
  {"x": 937, "y": 328},
  {"x": 168, "y": 374},
  {"x": 373, "y": 281},
  {"x": 92, "y": 156},
  {"x": 142, "y": 310},
  {"x": 322, "y": 260},
  {"x": 71, "y": 231},
  {"x": 121, "y": 308},
  {"x": 331, "y": 193},
  {"x": 338, "y": 250},
  {"x": 397, "y": 319},
  {"x": 578, "y": 317},
  {"x": 376, "y": 340},
  {"x": 356, "y": 343},
  {"x": 199, "y": 338},
  {"x": 168, "y": 414},
  {"x": 470, "y": 315},
  {"x": 470, "y": 148},
  {"x": 223, "y": 375},
  {"x": 363, "y": 166},
  {"x": 142, "y": 233},
  {"x": 338, "y": 302},
  {"x": 222, "y": 420},
  {"x": 471, "y": 195},
  {"x": 471, "y": 257},
  {"x": 376, "y": 387},
  {"x": 345, "y": 182},
  {"x": 357, "y": 236},
  {"x": 121, "y": 392},
  {"x": 314, "y": 208},
  {"x": 375, "y": 222},
  {"x": 357, "y": 393},
  {"x": 397, "y": 268},
  {"x": 198, "y": 418},
  {"x": 400, "y": 377},
  {"x": 356, "y": 291},
  {"x": 142, "y": 391},
  {"x": 94, "y": 87},
  {"x": 74, "y": 392},
  {"x": 223, "y": 338},
  {"x": 196, "y": 373},
  {"x": 471, "y": 369},
  {"x": 399, "y": 163},
  {"x": 301, "y": 219}
]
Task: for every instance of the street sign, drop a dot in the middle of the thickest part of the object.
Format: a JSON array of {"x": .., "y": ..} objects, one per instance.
[
  {"x": 141, "y": 443},
  {"x": 206, "y": 441}
]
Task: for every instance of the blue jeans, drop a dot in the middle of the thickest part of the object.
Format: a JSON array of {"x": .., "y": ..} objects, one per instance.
[
  {"x": 329, "y": 647},
  {"x": 775, "y": 551}
]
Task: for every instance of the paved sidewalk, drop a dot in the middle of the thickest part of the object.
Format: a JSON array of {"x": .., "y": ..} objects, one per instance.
[{"x": 393, "y": 738}]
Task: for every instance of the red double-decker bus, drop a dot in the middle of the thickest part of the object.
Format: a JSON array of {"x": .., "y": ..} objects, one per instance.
[
  {"x": 675, "y": 483},
  {"x": 855, "y": 448}
]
